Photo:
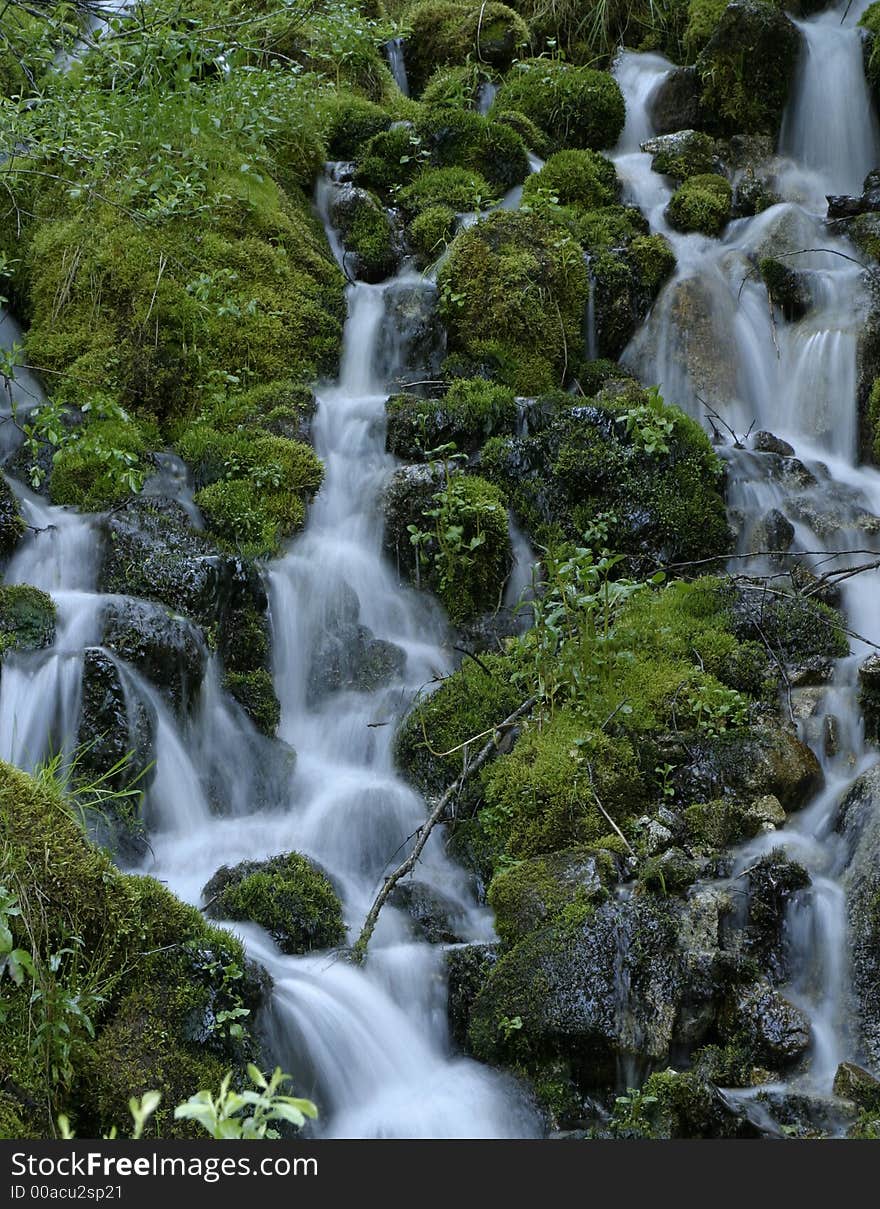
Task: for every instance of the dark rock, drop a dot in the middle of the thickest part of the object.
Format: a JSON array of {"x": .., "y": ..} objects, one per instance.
[
  {"x": 869, "y": 694},
  {"x": 437, "y": 918},
  {"x": 351, "y": 658},
  {"x": 852, "y": 1082},
  {"x": 766, "y": 760},
  {"x": 859, "y": 824},
  {"x": 27, "y": 618},
  {"x": 686, "y": 153},
  {"x": 12, "y": 523},
  {"x": 774, "y": 532},
  {"x": 789, "y": 290},
  {"x": 845, "y": 206},
  {"x": 676, "y": 103},
  {"x": 412, "y": 340},
  {"x": 773, "y": 882},
  {"x": 766, "y": 442},
  {"x": 168, "y": 650},
  {"x": 778, "y": 1031},
  {"x": 467, "y": 968}
]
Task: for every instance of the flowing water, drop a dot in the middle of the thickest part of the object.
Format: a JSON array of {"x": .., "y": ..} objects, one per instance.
[
  {"x": 713, "y": 347},
  {"x": 370, "y": 1043}
]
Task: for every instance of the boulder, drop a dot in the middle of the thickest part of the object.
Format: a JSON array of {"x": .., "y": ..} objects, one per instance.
[
  {"x": 169, "y": 651},
  {"x": 766, "y": 442},
  {"x": 684, "y": 154},
  {"x": 436, "y": 917},
  {"x": 12, "y": 523},
  {"x": 467, "y": 968},
  {"x": 676, "y": 103},
  {"x": 27, "y": 618},
  {"x": 749, "y": 765},
  {"x": 370, "y": 238},
  {"x": 854, "y": 1083},
  {"x": 773, "y": 881},
  {"x": 778, "y": 1031}
]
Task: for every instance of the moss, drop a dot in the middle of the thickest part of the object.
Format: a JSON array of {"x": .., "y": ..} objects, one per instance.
[
  {"x": 870, "y": 21},
  {"x": 349, "y": 122},
  {"x": 531, "y": 893},
  {"x": 689, "y": 153},
  {"x": 532, "y": 136},
  {"x": 584, "y": 463},
  {"x": 255, "y": 693},
  {"x": 717, "y": 824},
  {"x": 457, "y": 189},
  {"x": 701, "y": 204},
  {"x": 367, "y": 233},
  {"x": 12, "y": 523},
  {"x": 467, "y": 703},
  {"x": 654, "y": 260},
  {"x": 252, "y": 486},
  {"x": 465, "y": 556},
  {"x": 514, "y": 286},
  {"x": 389, "y": 159},
  {"x": 786, "y": 288},
  {"x": 583, "y": 179},
  {"x": 287, "y": 895},
  {"x": 431, "y": 232},
  {"x": 574, "y": 106},
  {"x": 444, "y": 32},
  {"x": 95, "y": 469},
  {"x": 164, "y": 974},
  {"x": 541, "y": 798},
  {"x": 460, "y": 138},
  {"x": 27, "y": 618},
  {"x": 703, "y": 17},
  {"x": 457, "y": 87},
  {"x": 747, "y": 67},
  {"x": 472, "y": 410}
]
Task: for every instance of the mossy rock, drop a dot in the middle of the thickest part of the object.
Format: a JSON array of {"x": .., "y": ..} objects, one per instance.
[
  {"x": 701, "y": 204},
  {"x": 431, "y": 233},
  {"x": 446, "y": 32},
  {"x": 747, "y": 67},
  {"x": 367, "y": 233},
  {"x": 787, "y": 288},
  {"x": 287, "y": 895},
  {"x": 255, "y": 693},
  {"x": 472, "y": 410},
  {"x": 663, "y": 506},
  {"x": 488, "y": 286},
  {"x": 541, "y": 797},
  {"x": 457, "y": 87},
  {"x": 460, "y": 138},
  {"x": 12, "y": 523},
  {"x": 579, "y": 178},
  {"x": 458, "y": 189},
  {"x": 93, "y": 470},
  {"x": 27, "y": 618},
  {"x": 682, "y": 155},
  {"x": 686, "y": 1105},
  {"x": 165, "y": 975},
  {"x": 350, "y": 121},
  {"x": 470, "y": 702},
  {"x": 168, "y": 650},
  {"x": 531, "y": 893},
  {"x": 574, "y": 106},
  {"x": 462, "y": 551}
]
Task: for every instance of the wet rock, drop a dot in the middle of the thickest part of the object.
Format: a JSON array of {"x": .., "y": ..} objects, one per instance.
[
  {"x": 868, "y": 202},
  {"x": 778, "y": 1031},
  {"x": 150, "y": 550},
  {"x": 412, "y": 341},
  {"x": 767, "y": 812},
  {"x": 795, "y": 627},
  {"x": 853, "y": 1083},
  {"x": 27, "y": 618},
  {"x": 676, "y": 103},
  {"x": 467, "y": 969},
  {"x": 288, "y": 895},
  {"x": 811, "y": 672},
  {"x": 752, "y": 195},
  {"x": 352, "y": 658},
  {"x": 869, "y": 694},
  {"x": 859, "y": 824},
  {"x": 773, "y": 881},
  {"x": 773, "y": 532},
  {"x": 370, "y": 238},
  {"x": 566, "y": 983},
  {"x": 766, "y": 442},
  {"x": 788, "y": 289},
  {"x": 437, "y": 918},
  {"x": 766, "y": 760},
  {"x": 12, "y": 523},
  {"x": 684, "y": 154},
  {"x": 168, "y": 650},
  {"x": 805, "y": 1114},
  {"x": 655, "y": 837},
  {"x": 409, "y": 493}
]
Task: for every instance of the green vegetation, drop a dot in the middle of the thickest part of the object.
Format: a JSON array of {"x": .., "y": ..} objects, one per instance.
[
  {"x": 27, "y": 618},
  {"x": 574, "y": 106},
  {"x": 444, "y": 32},
  {"x": 472, "y": 410},
  {"x": 701, "y": 204},
  {"x": 287, "y": 895}
]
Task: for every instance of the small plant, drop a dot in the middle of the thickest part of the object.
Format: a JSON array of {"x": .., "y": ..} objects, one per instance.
[
  {"x": 630, "y": 1117},
  {"x": 247, "y": 1114},
  {"x": 508, "y": 1025},
  {"x": 647, "y": 426},
  {"x": 717, "y": 709}
]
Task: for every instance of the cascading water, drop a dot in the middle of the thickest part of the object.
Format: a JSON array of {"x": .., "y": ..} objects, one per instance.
[
  {"x": 711, "y": 345},
  {"x": 397, "y": 64}
]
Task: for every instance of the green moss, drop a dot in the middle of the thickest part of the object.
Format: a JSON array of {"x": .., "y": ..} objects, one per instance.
[
  {"x": 12, "y": 523},
  {"x": 703, "y": 17},
  {"x": 287, "y": 895},
  {"x": 460, "y": 138},
  {"x": 468, "y": 703},
  {"x": 349, "y": 122},
  {"x": 389, "y": 159},
  {"x": 431, "y": 232},
  {"x": 531, "y": 893},
  {"x": 457, "y": 189},
  {"x": 445, "y": 32},
  {"x": 702, "y": 204},
  {"x": 870, "y": 20},
  {"x": 654, "y": 259},
  {"x": 786, "y": 287},
  {"x": 574, "y": 106},
  {"x": 583, "y": 179},
  {"x": 472, "y": 410},
  {"x": 367, "y": 233},
  {"x": 532, "y": 136},
  {"x": 747, "y": 67},
  {"x": 516, "y": 287},
  {"x": 99, "y": 466},
  {"x": 27, "y": 618},
  {"x": 689, "y": 153},
  {"x": 163, "y": 973},
  {"x": 584, "y": 464},
  {"x": 456, "y": 87},
  {"x": 542, "y": 798},
  {"x": 255, "y": 693},
  {"x": 253, "y": 488}
]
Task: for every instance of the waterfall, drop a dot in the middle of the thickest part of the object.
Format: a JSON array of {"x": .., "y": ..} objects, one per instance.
[
  {"x": 709, "y": 341},
  {"x": 397, "y": 63}
]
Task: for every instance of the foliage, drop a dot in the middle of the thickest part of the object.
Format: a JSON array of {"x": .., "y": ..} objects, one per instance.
[
  {"x": 249, "y": 1114},
  {"x": 574, "y": 106}
]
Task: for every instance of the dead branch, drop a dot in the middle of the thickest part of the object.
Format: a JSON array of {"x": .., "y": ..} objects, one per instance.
[{"x": 436, "y": 816}]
